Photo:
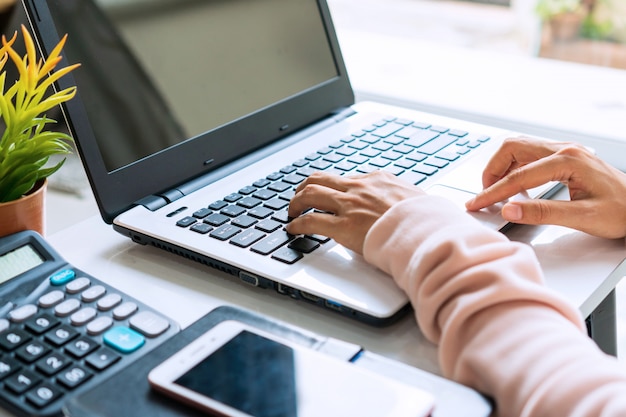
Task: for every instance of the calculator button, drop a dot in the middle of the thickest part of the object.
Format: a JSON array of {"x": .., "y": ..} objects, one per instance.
[
  {"x": 83, "y": 316},
  {"x": 67, "y": 307},
  {"x": 81, "y": 347},
  {"x": 13, "y": 338},
  {"x": 102, "y": 359},
  {"x": 77, "y": 285},
  {"x": 21, "y": 381},
  {"x": 8, "y": 365},
  {"x": 4, "y": 324},
  {"x": 74, "y": 376},
  {"x": 109, "y": 301},
  {"x": 31, "y": 351},
  {"x": 22, "y": 313},
  {"x": 61, "y": 336},
  {"x": 51, "y": 298},
  {"x": 123, "y": 339},
  {"x": 149, "y": 323},
  {"x": 43, "y": 395},
  {"x": 93, "y": 293},
  {"x": 52, "y": 363},
  {"x": 41, "y": 324},
  {"x": 99, "y": 325},
  {"x": 62, "y": 277},
  {"x": 124, "y": 310}
]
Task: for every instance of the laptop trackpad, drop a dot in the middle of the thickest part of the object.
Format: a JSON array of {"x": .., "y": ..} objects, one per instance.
[{"x": 489, "y": 216}]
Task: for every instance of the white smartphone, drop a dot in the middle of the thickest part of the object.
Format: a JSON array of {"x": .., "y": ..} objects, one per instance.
[{"x": 238, "y": 371}]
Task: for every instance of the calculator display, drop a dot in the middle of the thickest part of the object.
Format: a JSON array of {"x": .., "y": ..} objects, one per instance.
[{"x": 18, "y": 261}]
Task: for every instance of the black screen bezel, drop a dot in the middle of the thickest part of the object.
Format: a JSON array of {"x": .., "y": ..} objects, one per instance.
[{"x": 119, "y": 190}]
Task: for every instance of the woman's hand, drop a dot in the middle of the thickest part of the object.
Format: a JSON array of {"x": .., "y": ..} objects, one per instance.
[
  {"x": 346, "y": 207},
  {"x": 597, "y": 190}
]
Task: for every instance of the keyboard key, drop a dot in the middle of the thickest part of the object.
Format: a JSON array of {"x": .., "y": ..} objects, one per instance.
[
  {"x": 102, "y": 359},
  {"x": 43, "y": 395},
  {"x": 279, "y": 186},
  {"x": 294, "y": 179},
  {"x": 60, "y": 336},
  {"x": 202, "y": 213},
  {"x": 281, "y": 216},
  {"x": 186, "y": 221},
  {"x": 31, "y": 351},
  {"x": 425, "y": 169},
  {"x": 122, "y": 339},
  {"x": 233, "y": 211},
  {"x": 260, "y": 183},
  {"x": 93, "y": 293},
  {"x": 109, "y": 301},
  {"x": 124, "y": 310},
  {"x": 248, "y": 189},
  {"x": 269, "y": 226},
  {"x": 77, "y": 285},
  {"x": 8, "y": 365},
  {"x": 244, "y": 221},
  {"x": 13, "y": 338},
  {"x": 81, "y": 347},
  {"x": 276, "y": 204},
  {"x": 99, "y": 325},
  {"x": 74, "y": 376},
  {"x": 304, "y": 245},
  {"x": 218, "y": 205},
  {"x": 287, "y": 255},
  {"x": 41, "y": 324},
  {"x": 21, "y": 381},
  {"x": 249, "y": 202},
  {"x": 149, "y": 324},
  {"x": 265, "y": 194},
  {"x": 202, "y": 228},
  {"x": 216, "y": 219},
  {"x": 247, "y": 238},
  {"x": 225, "y": 232},
  {"x": 437, "y": 144},
  {"x": 83, "y": 316},
  {"x": 22, "y": 313},
  {"x": 412, "y": 177},
  {"x": 260, "y": 212},
  {"x": 52, "y": 363},
  {"x": 51, "y": 298},
  {"x": 272, "y": 242},
  {"x": 231, "y": 198}
]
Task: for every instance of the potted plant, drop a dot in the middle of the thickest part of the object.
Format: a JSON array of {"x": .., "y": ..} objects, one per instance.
[
  {"x": 563, "y": 18},
  {"x": 26, "y": 143}
]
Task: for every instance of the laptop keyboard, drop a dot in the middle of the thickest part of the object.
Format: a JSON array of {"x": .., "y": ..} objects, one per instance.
[{"x": 254, "y": 217}]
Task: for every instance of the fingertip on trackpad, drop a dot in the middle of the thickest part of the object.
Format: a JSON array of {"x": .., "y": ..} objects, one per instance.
[
  {"x": 489, "y": 216},
  {"x": 453, "y": 194}
]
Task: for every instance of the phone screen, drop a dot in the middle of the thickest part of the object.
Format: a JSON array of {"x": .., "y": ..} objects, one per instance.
[
  {"x": 236, "y": 370},
  {"x": 251, "y": 373}
]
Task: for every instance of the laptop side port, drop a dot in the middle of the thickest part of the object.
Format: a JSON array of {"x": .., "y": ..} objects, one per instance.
[
  {"x": 310, "y": 297},
  {"x": 333, "y": 305},
  {"x": 286, "y": 290},
  {"x": 249, "y": 278}
]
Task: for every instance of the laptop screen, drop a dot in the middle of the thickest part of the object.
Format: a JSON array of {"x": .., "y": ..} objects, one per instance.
[
  {"x": 190, "y": 85},
  {"x": 210, "y": 62}
]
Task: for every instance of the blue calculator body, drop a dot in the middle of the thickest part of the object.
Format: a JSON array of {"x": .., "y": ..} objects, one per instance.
[{"x": 63, "y": 331}]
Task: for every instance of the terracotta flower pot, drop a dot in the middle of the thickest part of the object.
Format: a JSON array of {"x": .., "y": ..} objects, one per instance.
[{"x": 26, "y": 213}]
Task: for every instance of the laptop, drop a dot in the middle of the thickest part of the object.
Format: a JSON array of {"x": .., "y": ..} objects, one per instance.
[{"x": 196, "y": 120}]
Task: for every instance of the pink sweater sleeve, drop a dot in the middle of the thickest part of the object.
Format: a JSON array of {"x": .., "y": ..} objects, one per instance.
[{"x": 499, "y": 329}]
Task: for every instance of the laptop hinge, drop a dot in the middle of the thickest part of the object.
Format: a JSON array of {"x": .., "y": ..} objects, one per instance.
[
  {"x": 343, "y": 113},
  {"x": 152, "y": 202}
]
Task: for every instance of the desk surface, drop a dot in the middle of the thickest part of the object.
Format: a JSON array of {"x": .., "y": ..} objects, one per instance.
[{"x": 581, "y": 267}]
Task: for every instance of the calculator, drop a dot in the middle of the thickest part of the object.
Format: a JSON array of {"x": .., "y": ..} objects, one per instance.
[{"x": 62, "y": 331}]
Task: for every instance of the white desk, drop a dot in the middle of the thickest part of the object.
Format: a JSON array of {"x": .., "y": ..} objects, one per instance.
[{"x": 580, "y": 266}]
